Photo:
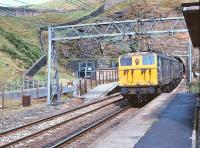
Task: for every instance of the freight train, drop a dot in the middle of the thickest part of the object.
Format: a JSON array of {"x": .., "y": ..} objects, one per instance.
[{"x": 148, "y": 73}]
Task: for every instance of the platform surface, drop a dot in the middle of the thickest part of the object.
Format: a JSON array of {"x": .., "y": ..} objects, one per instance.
[
  {"x": 100, "y": 91},
  {"x": 166, "y": 122}
]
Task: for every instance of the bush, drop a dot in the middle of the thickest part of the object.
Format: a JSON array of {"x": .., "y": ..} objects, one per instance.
[{"x": 24, "y": 51}]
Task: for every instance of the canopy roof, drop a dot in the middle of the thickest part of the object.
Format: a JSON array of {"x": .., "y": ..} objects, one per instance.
[{"x": 191, "y": 14}]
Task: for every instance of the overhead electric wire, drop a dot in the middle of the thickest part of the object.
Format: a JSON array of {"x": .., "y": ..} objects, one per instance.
[
  {"x": 86, "y": 4},
  {"x": 81, "y": 4},
  {"x": 72, "y": 2}
]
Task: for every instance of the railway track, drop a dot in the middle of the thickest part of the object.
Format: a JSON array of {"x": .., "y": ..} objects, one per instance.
[
  {"x": 40, "y": 127},
  {"x": 86, "y": 129}
]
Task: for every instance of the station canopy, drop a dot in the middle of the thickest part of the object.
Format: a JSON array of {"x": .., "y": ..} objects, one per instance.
[{"x": 192, "y": 17}]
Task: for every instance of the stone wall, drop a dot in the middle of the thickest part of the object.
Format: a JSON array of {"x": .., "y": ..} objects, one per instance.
[
  {"x": 106, "y": 62},
  {"x": 12, "y": 11},
  {"x": 17, "y": 12},
  {"x": 6, "y": 11}
]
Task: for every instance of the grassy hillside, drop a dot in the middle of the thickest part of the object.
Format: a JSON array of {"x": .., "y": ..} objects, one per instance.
[
  {"x": 67, "y": 6},
  {"x": 21, "y": 50},
  {"x": 147, "y": 8},
  {"x": 19, "y": 41}
]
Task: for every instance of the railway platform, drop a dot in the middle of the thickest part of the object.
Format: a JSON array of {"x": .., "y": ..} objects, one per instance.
[
  {"x": 165, "y": 122},
  {"x": 99, "y": 91}
]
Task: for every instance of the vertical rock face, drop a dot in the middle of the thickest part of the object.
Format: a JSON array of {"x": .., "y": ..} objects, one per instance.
[{"x": 103, "y": 62}]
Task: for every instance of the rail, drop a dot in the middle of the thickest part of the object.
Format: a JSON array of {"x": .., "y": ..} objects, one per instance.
[
  {"x": 116, "y": 98},
  {"x": 84, "y": 130}
]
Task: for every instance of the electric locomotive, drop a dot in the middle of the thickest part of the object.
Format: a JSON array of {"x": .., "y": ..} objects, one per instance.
[{"x": 146, "y": 73}]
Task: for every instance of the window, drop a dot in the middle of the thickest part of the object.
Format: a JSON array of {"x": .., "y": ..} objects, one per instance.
[
  {"x": 126, "y": 61},
  {"x": 148, "y": 59}
]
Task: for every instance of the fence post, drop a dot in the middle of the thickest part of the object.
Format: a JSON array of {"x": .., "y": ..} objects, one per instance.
[
  {"x": 3, "y": 97},
  {"x": 22, "y": 89},
  {"x": 103, "y": 77},
  {"x": 96, "y": 78},
  {"x": 112, "y": 76},
  {"x": 91, "y": 83},
  {"x": 115, "y": 75},
  {"x": 109, "y": 76},
  {"x": 61, "y": 89},
  {"x": 85, "y": 85},
  {"x": 106, "y": 76},
  {"x": 37, "y": 89},
  {"x": 80, "y": 87},
  {"x": 33, "y": 84},
  {"x": 99, "y": 78}
]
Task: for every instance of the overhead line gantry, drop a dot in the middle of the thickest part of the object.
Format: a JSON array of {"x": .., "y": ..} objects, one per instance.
[{"x": 103, "y": 30}]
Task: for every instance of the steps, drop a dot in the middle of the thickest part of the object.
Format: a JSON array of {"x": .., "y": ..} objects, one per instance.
[{"x": 41, "y": 62}]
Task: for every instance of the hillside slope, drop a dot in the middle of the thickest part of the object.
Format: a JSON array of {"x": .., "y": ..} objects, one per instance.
[
  {"x": 25, "y": 29},
  {"x": 19, "y": 33}
]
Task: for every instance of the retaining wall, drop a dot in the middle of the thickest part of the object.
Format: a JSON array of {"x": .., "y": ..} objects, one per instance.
[{"x": 41, "y": 93}]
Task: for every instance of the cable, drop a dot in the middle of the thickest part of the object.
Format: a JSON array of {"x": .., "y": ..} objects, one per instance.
[
  {"x": 86, "y": 4},
  {"x": 74, "y": 3}
]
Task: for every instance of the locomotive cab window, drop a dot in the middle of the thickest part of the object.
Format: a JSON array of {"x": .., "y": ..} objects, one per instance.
[
  {"x": 148, "y": 59},
  {"x": 126, "y": 61}
]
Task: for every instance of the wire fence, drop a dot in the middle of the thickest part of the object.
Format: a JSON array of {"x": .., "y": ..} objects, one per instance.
[
  {"x": 103, "y": 76},
  {"x": 25, "y": 84},
  {"x": 11, "y": 94}
]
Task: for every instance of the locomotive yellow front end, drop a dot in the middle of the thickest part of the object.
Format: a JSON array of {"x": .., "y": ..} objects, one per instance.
[{"x": 138, "y": 73}]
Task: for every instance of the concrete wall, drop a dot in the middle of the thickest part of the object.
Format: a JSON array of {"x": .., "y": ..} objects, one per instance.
[{"x": 42, "y": 92}]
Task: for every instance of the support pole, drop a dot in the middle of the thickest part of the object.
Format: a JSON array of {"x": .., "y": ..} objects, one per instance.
[
  {"x": 37, "y": 90},
  {"x": 49, "y": 68},
  {"x": 190, "y": 61},
  {"x": 3, "y": 98},
  {"x": 53, "y": 81}
]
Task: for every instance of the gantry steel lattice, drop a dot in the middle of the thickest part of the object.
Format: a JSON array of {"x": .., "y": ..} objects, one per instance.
[{"x": 103, "y": 30}]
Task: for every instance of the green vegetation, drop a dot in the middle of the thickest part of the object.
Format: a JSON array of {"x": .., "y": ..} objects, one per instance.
[
  {"x": 24, "y": 51},
  {"x": 54, "y": 4},
  {"x": 194, "y": 86},
  {"x": 65, "y": 5},
  {"x": 19, "y": 43}
]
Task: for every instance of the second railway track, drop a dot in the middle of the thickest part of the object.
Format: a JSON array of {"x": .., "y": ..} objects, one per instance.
[
  {"x": 64, "y": 141},
  {"x": 40, "y": 127}
]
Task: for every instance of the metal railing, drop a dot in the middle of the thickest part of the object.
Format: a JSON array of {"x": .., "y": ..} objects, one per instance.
[
  {"x": 103, "y": 76},
  {"x": 25, "y": 84}
]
